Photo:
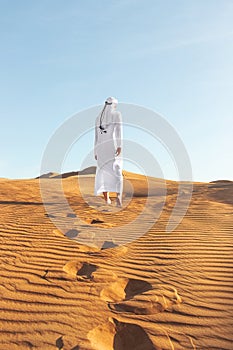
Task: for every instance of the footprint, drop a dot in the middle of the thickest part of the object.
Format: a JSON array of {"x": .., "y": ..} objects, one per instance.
[
  {"x": 138, "y": 307},
  {"x": 82, "y": 271},
  {"x": 102, "y": 336},
  {"x": 101, "y": 223},
  {"x": 116, "y": 335},
  {"x": 148, "y": 303},
  {"x": 71, "y": 215},
  {"x": 72, "y": 233},
  {"x": 131, "y": 336},
  {"x": 108, "y": 244},
  {"x": 97, "y": 221},
  {"x": 115, "y": 291},
  {"x": 123, "y": 289},
  {"x": 137, "y": 297},
  {"x": 59, "y": 343},
  {"x": 87, "y": 270},
  {"x": 65, "y": 342},
  {"x": 50, "y": 215},
  {"x": 135, "y": 286}
]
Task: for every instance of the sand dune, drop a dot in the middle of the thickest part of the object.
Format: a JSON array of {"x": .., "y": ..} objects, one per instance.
[
  {"x": 52, "y": 175},
  {"x": 162, "y": 291}
]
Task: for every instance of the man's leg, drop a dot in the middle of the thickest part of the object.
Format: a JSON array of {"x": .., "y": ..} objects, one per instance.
[
  {"x": 118, "y": 200},
  {"x": 106, "y": 197}
]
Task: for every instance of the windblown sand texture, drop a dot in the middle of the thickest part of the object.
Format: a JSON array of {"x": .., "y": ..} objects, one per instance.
[{"x": 164, "y": 291}]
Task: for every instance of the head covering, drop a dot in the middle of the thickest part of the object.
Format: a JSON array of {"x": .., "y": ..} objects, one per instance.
[
  {"x": 105, "y": 116},
  {"x": 111, "y": 100}
]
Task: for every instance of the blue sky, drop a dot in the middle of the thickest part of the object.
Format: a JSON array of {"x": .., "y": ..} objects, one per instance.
[{"x": 172, "y": 56}]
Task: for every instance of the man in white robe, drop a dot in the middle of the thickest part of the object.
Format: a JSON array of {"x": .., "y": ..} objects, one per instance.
[{"x": 108, "y": 147}]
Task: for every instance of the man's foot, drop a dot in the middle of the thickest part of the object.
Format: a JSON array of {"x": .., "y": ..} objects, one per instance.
[
  {"x": 118, "y": 202},
  {"x": 106, "y": 198},
  {"x": 108, "y": 201}
]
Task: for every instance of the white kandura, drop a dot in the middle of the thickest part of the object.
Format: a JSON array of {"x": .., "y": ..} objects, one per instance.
[{"x": 108, "y": 137}]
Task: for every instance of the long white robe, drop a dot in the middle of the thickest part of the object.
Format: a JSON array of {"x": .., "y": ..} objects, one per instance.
[{"x": 109, "y": 166}]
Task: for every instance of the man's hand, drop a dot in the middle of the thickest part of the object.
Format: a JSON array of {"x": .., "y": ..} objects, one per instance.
[{"x": 118, "y": 151}]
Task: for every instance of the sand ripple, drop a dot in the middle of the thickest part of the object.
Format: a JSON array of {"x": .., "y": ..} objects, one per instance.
[{"x": 163, "y": 291}]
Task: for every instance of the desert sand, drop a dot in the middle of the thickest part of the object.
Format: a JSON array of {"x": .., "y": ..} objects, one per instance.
[{"x": 163, "y": 291}]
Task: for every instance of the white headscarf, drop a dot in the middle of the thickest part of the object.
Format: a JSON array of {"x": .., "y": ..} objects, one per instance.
[
  {"x": 105, "y": 116},
  {"x": 111, "y": 100}
]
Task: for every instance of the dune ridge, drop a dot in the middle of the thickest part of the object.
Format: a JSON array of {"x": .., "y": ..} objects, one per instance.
[{"x": 162, "y": 291}]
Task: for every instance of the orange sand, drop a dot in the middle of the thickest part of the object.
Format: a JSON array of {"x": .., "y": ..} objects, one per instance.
[{"x": 163, "y": 291}]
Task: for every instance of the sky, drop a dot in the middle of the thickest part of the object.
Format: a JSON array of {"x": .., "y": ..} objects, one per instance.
[{"x": 174, "y": 57}]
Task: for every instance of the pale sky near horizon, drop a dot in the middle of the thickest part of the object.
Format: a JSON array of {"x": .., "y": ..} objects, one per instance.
[{"x": 171, "y": 56}]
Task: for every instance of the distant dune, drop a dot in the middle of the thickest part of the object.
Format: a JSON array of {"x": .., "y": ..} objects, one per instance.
[
  {"x": 221, "y": 181},
  {"x": 47, "y": 176},
  {"x": 87, "y": 171},
  {"x": 161, "y": 291}
]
